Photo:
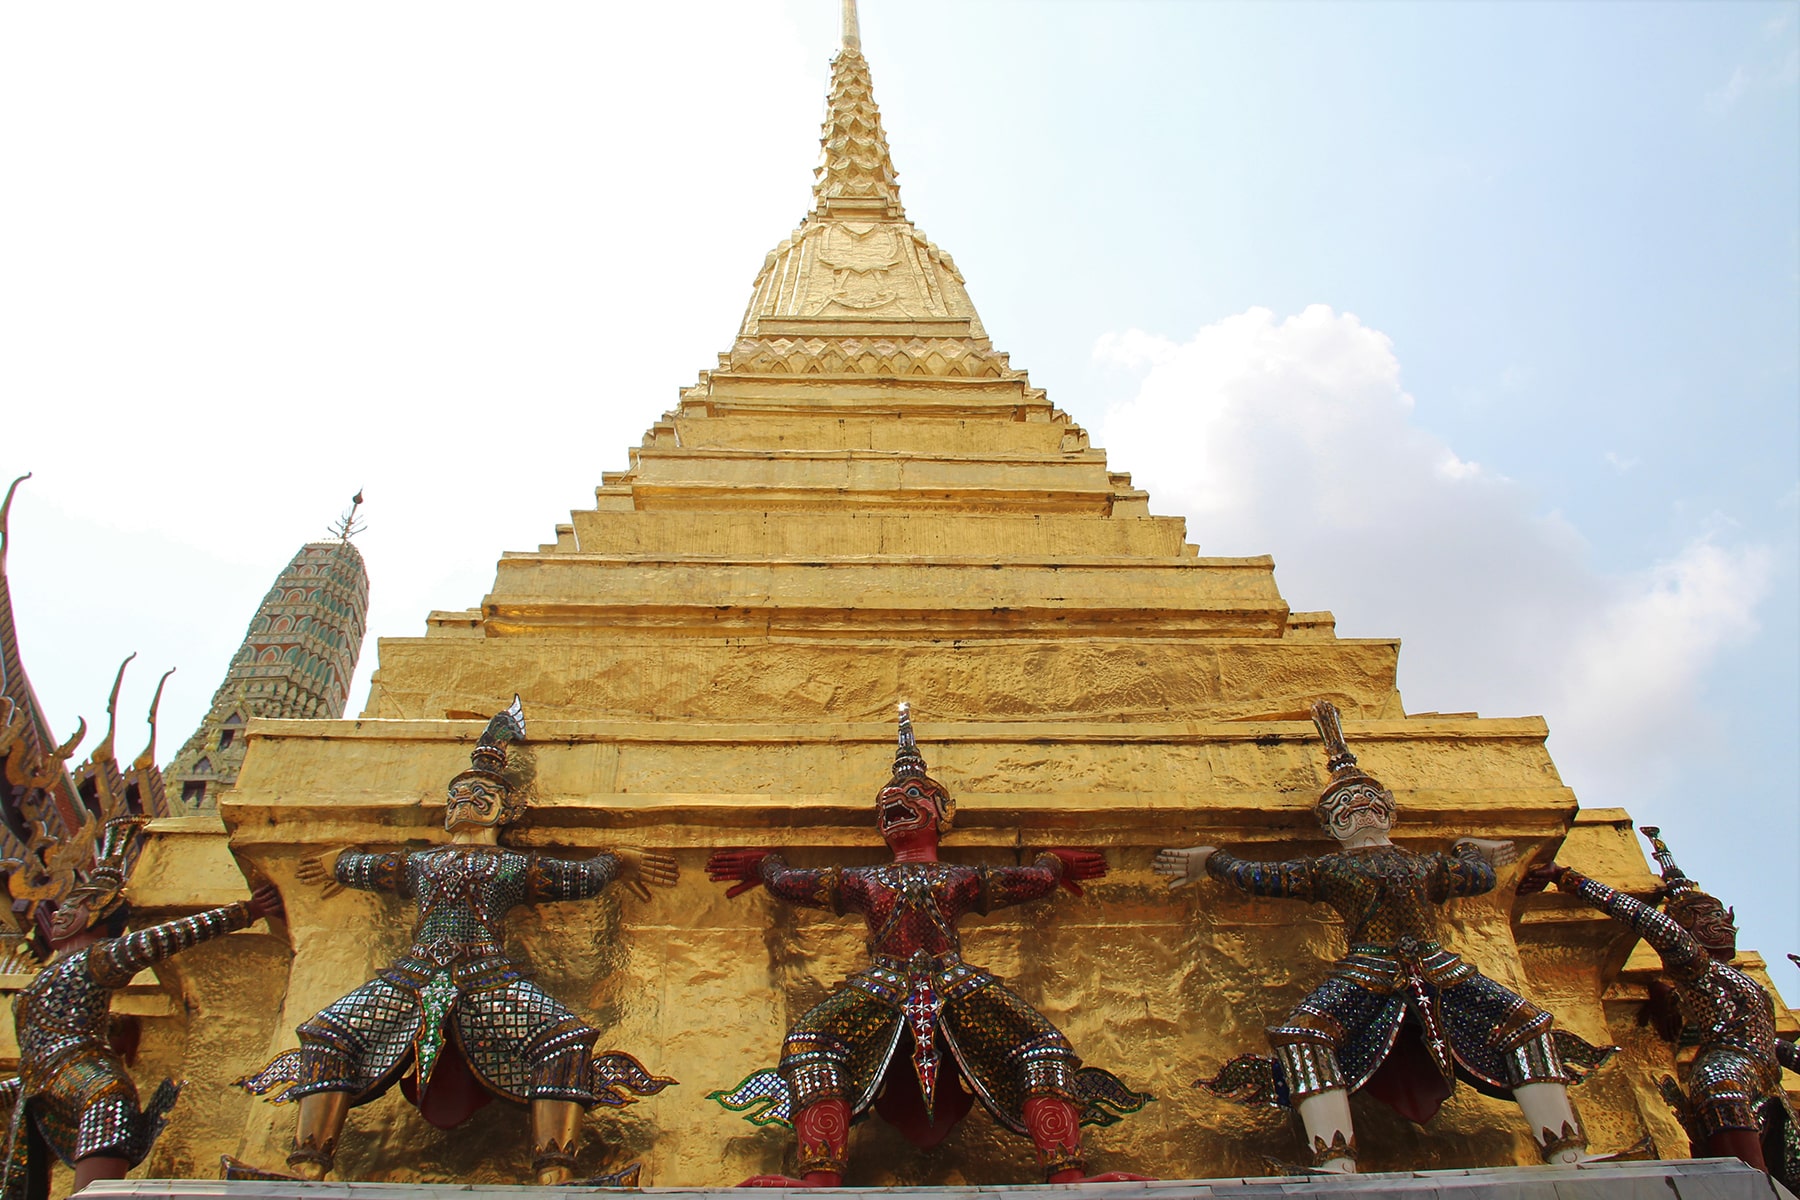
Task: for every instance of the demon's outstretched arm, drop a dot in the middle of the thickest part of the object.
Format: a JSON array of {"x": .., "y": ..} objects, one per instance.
[
  {"x": 1002, "y": 887},
  {"x": 1682, "y": 956},
  {"x": 113, "y": 962},
  {"x": 808, "y": 887},
  {"x": 372, "y": 872},
  {"x": 580, "y": 879},
  {"x": 1295, "y": 879},
  {"x": 570, "y": 879}
]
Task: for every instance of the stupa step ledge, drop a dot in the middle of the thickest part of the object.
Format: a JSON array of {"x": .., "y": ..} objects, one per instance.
[
  {"x": 1269, "y": 617},
  {"x": 1298, "y": 732},
  {"x": 897, "y": 626},
  {"x": 839, "y": 471},
  {"x": 738, "y": 497},
  {"x": 553, "y": 558},
  {"x": 792, "y": 533},
  {"x": 1004, "y": 441},
  {"x": 780, "y": 457},
  {"x": 1267, "y": 825}
]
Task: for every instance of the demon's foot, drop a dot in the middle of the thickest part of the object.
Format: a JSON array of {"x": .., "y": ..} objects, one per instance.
[
  {"x": 1074, "y": 1176},
  {"x": 232, "y": 1168},
  {"x": 814, "y": 1179}
]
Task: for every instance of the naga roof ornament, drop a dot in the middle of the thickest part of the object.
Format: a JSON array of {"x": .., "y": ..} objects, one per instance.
[{"x": 52, "y": 818}]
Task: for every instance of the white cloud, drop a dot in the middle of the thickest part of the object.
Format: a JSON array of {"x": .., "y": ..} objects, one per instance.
[
  {"x": 1295, "y": 437},
  {"x": 1730, "y": 92},
  {"x": 1620, "y": 462},
  {"x": 1627, "y": 686},
  {"x": 1775, "y": 72}
]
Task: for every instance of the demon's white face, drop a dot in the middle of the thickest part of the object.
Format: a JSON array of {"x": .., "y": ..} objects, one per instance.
[{"x": 1357, "y": 810}]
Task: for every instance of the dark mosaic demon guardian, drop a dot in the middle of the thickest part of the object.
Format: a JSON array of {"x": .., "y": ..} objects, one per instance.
[
  {"x": 1734, "y": 1104},
  {"x": 78, "y": 1101},
  {"x": 919, "y": 1034},
  {"x": 1400, "y": 1013},
  {"x": 454, "y": 1009}
]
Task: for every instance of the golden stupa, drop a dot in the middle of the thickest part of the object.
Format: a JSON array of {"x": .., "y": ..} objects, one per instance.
[{"x": 865, "y": 501}]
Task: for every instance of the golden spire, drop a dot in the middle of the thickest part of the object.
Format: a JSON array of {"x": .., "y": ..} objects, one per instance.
[
  {"x": 856, "y": 176},
  {"x": 852, "y": 39}
]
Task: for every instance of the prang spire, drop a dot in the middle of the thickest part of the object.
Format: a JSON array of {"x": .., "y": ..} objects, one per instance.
[
  {"x": 852, "y": 39},
  {"x": 856, "y": 176}
]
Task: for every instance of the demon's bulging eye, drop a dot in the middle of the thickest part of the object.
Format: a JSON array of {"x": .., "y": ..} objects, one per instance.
[{"x": 914, "y": 792}]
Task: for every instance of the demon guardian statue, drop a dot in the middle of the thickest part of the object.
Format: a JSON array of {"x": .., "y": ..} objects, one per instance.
[
  {"x": 1397, "y": 988},
  {"x": 1734, "y": 1104},
  {"x": 918, "y": 1019},
  {"x": 77, "y": 1100},
  {"x": 454, "y": 1008}
]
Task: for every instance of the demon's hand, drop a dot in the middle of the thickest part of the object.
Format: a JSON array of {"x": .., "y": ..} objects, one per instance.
[
  {"x": 1540, "y": 877},
  {"x": 1182, "y": 867},
  {"x": 1078, "y": 865},
  {"x": 1499, "y": 852},
  {"x": 265, "y": 901},
  {"x": 641, "y": 870},
  {"x": 740, "y": 868},
  {"x": 322, "y": 871}
]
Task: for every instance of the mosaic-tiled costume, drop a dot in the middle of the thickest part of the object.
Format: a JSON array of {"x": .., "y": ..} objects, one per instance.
[
  {"x": 453, "y": 1008},
  {"x": 77, "y": 1093},
  {"x": 918, "y": 983},
  {"x": 1397, "y": 975},
  {"x": 918, "y": 1015},
  {"x": 455, "y": 982},
  {"x": 1735, "y": 1080},
  {"x": 1400, "y": 1014}
]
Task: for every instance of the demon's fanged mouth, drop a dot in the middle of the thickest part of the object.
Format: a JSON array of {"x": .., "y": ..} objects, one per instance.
[{"x": 896, "y": 811}]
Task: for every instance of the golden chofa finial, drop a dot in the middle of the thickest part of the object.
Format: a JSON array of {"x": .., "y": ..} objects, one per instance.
[
  {"x": 147, "y": 759},
  {"x": 104, "y": 750},
  {"x": 852, "y": 39},
  {"x": 6, "y": 511}
]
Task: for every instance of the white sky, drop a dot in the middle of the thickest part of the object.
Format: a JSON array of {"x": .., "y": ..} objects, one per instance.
[{"x": 1481, "y": 318}]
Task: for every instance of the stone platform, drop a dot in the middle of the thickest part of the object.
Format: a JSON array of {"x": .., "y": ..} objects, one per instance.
[{"x": 1687, "y": 1179}]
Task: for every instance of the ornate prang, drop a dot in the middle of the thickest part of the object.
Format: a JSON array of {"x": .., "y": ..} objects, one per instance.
[
  {"x": 917, "y": 983},
  {"x": 296, "y": 660},
  {"x": 454, "y": 997}
]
